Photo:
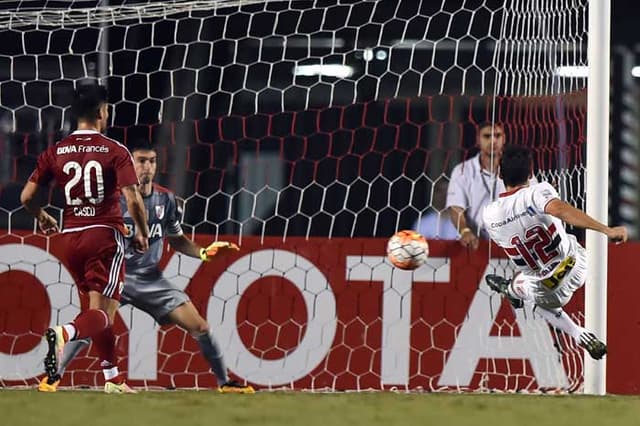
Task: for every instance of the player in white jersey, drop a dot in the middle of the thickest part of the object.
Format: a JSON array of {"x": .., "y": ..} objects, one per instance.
[{"x": 526, "y": 221}]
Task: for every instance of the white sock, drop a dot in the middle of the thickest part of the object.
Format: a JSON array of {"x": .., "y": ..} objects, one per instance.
[
  {"x": 559, "y": 319},
  {"x": 522, "y": 288},
  {"x": 71, "y": 330},
  {"x": 110, "y": 373}
]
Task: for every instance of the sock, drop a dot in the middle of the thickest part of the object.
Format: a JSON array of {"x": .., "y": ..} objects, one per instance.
[
  {"x": 211, "y": 351},
  {"x": 111, "y": 374},
  {"x": 69, "y": 332},
  {"x": 559, "y": 319},
  {"x": 90, "y": 323},
  {"x": 105, "y": 343},
  {"x": 521, "y": 288},
  {"x": 71, "y": 350}
]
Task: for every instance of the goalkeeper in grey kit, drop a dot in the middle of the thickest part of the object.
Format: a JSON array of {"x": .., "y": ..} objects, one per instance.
[{"x": 147, "y": 289}]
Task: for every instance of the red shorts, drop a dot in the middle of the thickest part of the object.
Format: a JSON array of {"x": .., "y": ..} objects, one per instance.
[{"x": 95, "y": 258}]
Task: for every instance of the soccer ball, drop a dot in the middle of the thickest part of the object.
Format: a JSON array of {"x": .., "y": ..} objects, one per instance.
[{"x": 407, "y": 250}]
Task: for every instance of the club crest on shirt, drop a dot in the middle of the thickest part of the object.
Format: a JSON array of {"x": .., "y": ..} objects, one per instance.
[{"x": 160, "y": 212}]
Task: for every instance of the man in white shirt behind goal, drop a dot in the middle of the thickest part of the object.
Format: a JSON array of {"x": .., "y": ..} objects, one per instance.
[{"x": 526, "y": 221}]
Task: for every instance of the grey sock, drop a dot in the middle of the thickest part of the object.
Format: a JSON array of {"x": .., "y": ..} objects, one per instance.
[
  {"x": 213, "y": 355},
  {"x": 71, "y": 350}
]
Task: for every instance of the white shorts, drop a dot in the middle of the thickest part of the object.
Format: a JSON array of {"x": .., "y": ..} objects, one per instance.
[{"x": 532, "y": 289}]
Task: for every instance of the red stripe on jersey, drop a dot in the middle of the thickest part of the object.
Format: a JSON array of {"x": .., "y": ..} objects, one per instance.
[
  {"x": 511, "y": 251},
  {"x": 513, "y": 191},
  {"x": 552, "y": 229}
]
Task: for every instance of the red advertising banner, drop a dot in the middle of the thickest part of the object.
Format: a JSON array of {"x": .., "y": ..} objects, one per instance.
[{"x": 324, "y": 314}]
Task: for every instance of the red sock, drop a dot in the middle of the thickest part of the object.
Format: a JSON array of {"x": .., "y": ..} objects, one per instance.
[
  {"x": 105, "y": 343},
  {"x": 90, "y": 322}
]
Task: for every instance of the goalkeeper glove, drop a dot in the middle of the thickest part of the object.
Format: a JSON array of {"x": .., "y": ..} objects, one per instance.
[{"x": 219, "y": 247}]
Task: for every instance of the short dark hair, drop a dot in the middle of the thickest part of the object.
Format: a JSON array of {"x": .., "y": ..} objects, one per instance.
[
  {"x": 515, "y": 165},
  {"x": 87, "y": 100},
  {"x": 492, "y": 124},
  {"x": 140, "y": 145}
]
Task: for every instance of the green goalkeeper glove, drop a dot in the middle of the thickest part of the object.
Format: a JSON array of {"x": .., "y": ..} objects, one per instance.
[{"x": 214, "y": 249}]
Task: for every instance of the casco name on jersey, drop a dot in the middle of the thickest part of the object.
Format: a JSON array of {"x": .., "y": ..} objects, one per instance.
[
  {"x": 155, "y": 230},
  {"x": 73, "y": 149},
  {"x": 86, "y": 211}
]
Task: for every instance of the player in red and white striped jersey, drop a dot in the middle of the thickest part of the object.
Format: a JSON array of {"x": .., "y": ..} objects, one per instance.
[
  {"x": 92, "y": 170},
  {"x": 526, "y": 221}
]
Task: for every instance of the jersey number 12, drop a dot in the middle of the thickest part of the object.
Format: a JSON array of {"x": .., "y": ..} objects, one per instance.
[{"x": 540, "y": 244}]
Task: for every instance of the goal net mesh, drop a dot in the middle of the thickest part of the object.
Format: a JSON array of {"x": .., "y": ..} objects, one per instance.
[{"x": 282, "y": 125}]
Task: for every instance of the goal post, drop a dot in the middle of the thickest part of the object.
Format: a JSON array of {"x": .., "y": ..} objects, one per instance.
[{"x": 597, "y": 184}]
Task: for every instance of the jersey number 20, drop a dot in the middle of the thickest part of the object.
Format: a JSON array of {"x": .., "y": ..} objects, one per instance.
[{"x": 84, "y": 174}]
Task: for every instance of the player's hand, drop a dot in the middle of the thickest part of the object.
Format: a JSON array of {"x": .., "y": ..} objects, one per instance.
[
  {"x": 469, "y": 239},
  {"x": 617, "y": 234},
  {"x": 140, "y": 243},
  {"x": 217, "y": 248},
  {"x": 47, "y": 223}
]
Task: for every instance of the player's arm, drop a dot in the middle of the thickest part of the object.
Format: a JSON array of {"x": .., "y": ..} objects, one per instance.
[
  {"x": 184, "y": 245},
  {"x": 456, "y": 200},
  {"x": 576, "y": 217},
  {"x": 28, "y": 197},
  {"x": 135, "y": 207},
  {"x": 456, "y": 213},
  {"x": 467, "y": 237}
]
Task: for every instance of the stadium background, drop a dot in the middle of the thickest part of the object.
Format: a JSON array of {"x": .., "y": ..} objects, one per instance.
[{"x": 236, "y": 137}]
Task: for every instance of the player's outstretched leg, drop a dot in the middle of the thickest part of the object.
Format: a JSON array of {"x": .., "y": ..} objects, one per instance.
[
  {"x": 71, "y": 350},
  {"x": 596, "y": 348},
  {"x": 189, "y": 319},
  {"x": 501, "y": 285},
  {"x": 211, "y": 351},
  {"x": 559, "y": 319}
]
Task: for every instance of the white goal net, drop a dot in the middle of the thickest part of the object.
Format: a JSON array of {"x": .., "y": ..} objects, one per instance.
[{"x": 309, "y": 131}]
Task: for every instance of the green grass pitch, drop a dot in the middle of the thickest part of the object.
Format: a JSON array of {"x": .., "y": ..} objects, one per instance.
[{"x": 173, "y": 408}]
